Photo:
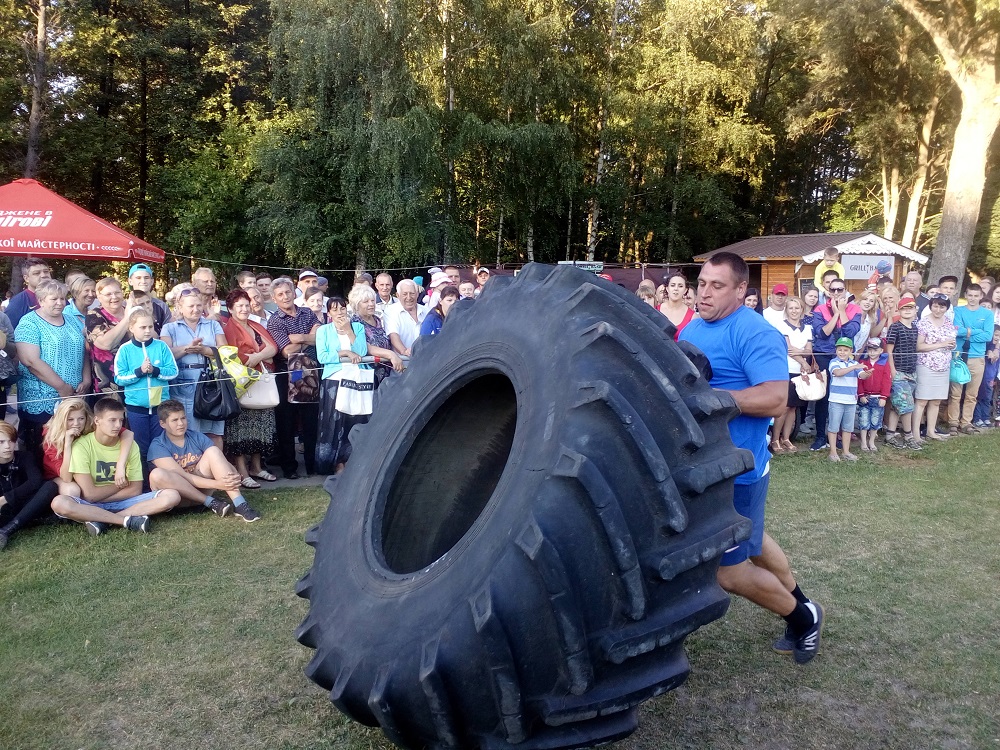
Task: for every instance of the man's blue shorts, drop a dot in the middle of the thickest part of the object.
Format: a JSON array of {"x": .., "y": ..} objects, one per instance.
[
  {"x": 749, "y": 501},
  {"x": 118, "y": 505}
]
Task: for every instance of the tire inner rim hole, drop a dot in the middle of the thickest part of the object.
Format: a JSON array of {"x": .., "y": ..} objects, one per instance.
[{"x": 449, "y": 474}]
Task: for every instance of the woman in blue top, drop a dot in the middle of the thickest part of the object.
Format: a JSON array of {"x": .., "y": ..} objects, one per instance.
[
  {"x": 339, "y": 338},
  {"x": 192, "y": 340},
  {"x": 435, "y": 318}
]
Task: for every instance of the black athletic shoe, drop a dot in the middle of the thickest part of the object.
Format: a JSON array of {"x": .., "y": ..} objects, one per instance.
[
  {"x": 785, "y": 644},
  {"x": 807, "y": 645},
  {"x": 137, "y": 523},
  {"x": 220, "y": 508},
  {"x": 247, "y": 513},
  {"x": 95, "y": 528}
]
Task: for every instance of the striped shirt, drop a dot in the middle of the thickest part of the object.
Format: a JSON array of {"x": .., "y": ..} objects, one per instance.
[{"x": 843, "y": 388}]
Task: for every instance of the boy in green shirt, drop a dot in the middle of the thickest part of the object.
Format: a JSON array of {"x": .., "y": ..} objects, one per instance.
[{"x": 93, "y": 463}]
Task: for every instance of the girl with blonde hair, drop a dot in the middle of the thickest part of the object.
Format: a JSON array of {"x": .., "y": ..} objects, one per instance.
[{"x": 72, "y": 419}]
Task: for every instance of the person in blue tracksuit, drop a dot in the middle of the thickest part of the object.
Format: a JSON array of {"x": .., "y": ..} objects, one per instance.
[{"x": 144, "y": 367}]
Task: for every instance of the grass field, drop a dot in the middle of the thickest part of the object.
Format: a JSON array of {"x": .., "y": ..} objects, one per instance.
[{"x": 183, "y": 638}]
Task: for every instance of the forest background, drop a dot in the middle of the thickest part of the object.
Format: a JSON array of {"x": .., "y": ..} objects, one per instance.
[{"x": 400, "y": 133}]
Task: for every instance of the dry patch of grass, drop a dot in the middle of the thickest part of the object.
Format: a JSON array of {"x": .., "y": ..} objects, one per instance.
[{"x": 184, "y": 638}]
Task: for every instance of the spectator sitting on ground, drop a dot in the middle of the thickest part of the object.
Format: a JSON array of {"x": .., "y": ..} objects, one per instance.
[
  {"x": 435, "y": 318},
  {"x": 24, "y": 495},
  {"x": 144, "y": 367},
  {"x": 102, "y": 502},
  {"x": 190, "y": 464},
  {"x": 72, "y": 418}
]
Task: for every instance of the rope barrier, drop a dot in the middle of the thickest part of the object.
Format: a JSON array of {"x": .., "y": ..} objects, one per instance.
[
  {"x": 366, "y": 360},
  {"x": 318, "y": 270}
]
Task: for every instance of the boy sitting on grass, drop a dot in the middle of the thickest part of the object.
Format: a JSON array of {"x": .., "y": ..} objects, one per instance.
[
  {"x": 93, "y": 463},
  {"x": 193, "y": 464}
]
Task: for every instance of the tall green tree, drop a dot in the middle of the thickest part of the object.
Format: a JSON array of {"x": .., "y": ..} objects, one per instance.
[{"x": 966, "y": 34}]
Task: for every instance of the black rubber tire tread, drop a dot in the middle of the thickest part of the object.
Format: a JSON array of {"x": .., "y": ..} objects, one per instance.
[{"x": 565, "y": 603}]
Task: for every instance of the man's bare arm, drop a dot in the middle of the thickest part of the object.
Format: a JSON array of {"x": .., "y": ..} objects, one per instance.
[{"x": 768, "y": 399}]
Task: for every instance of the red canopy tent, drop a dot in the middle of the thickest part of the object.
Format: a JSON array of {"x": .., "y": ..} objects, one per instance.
[{"x": 36, "y": 221}]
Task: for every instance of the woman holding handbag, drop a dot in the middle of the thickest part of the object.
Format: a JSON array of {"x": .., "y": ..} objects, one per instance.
[
  {"x": 798, "y": 338},
  {"x": 347, "y": 390},
  {"x": 193, "y": 340},
  {"x": 252, "y": 434}
]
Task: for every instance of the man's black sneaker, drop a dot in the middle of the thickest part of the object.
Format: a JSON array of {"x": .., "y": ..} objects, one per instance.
[
  {"x": 137, "y": 523},
  {"x": 247, "y": 513},
  {"x": 785, "y": 644},
  {"x": 819, "y": 444},
  {"x": 220, "y": 508},
  {"x": 807, "y": 645},
  {"x": 95, "y": 528}
]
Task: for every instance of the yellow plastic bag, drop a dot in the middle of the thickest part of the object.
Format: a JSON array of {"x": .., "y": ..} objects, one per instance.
[{"x": 242, "y": 375}]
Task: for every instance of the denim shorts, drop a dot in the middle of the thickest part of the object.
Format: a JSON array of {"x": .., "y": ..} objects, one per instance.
[
  {"x": 840, "y": 417},
  {"x": 870, "y": 415},
  {"x": 119, "y": 505}
]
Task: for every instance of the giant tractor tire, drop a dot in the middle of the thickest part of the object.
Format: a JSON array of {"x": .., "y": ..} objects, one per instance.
[{"x": 529, "y": 525}]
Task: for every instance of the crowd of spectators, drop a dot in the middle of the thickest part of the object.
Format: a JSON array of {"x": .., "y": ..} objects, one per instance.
[
  {"x": 106, "y": 376},
  {"x": 884, "y": 358}
]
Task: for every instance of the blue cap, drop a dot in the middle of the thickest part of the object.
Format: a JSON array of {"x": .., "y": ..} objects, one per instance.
[
  {"x": 140, "y": 267},
  {"x": 883, "y": 266},
  {"x": 418, "y": 280}
]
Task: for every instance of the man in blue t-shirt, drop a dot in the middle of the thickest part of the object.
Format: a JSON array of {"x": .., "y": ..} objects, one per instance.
[
  {"x": 749, "y": 361},
  {"x": 193, "y": 464}
]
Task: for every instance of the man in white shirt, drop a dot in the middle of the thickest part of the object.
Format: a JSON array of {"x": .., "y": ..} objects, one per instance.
[
  {"x": 383, "y": 287},
  {"x": 774, "y": 313},
  {"x": 403, "y": 319}
]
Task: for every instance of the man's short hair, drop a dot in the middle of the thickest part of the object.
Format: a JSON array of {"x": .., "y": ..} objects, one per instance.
[
  {"x": 168, "y": 407},
  {"x": 737, "y": 266},
  {"x": 203, "y": 270},
  {"x": 883, "y": 281},
  {"x": 108, "y": 405},
  {"x": 973, "y": 288},
  {"x": 245, "y": 276},
  {"x": 263, "y": 275},
  {"x": 831, "y": 252},
  {"x": 280, "y": 282},
  {"x": 30, "y": 263},
  {"x": 831, "y": 272},
  {"x": 387, "y": 275},
  {"x": 989, "y": 279},
  {"x": 404, "y": 282},
  {"x": 952, "y": 279}
]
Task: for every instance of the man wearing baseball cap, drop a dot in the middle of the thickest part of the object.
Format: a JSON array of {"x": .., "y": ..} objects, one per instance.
[
  {"x": 140, "y": 279},
  {"x": 774, "y": 313},
  {"x": 482, "y": 276},
  {"x": 307, "y": 278}
]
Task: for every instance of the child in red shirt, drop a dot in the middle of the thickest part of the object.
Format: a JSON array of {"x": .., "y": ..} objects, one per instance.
[{"x": 873, "y": 392}]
